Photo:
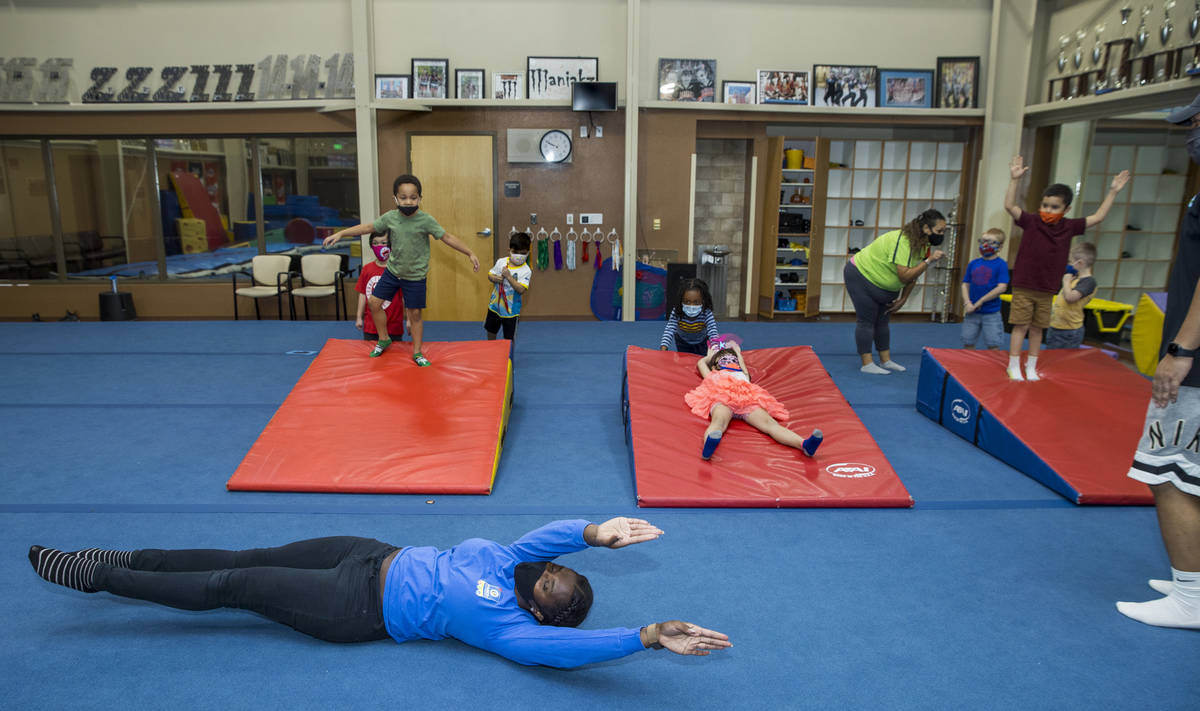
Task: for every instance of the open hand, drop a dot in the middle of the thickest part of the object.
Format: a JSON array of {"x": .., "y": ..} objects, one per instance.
[
  {"x": 936, "y": 255},
  {"x": 331, "y": 240},
  {"x": 1017, "y": 167},
  {"x": 685, "y": 638},
  {"x": 474, "y": 263},
  {"x": 1167, "y": 376},
  {"x": 969, "y": 307},
  {"x": 1119, "y": 181},
  {"x": 621, "y": 531}
]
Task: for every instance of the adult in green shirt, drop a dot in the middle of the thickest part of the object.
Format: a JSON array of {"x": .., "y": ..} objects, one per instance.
[{"x": 881, "y": 275}]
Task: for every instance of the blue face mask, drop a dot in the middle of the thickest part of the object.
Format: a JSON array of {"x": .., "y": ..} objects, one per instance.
[
  {"x": 988, "y": 249},
  {"x": 691, "y": 310}
]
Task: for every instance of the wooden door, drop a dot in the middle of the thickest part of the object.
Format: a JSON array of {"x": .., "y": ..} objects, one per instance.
[{"x": 457, "y": 176}]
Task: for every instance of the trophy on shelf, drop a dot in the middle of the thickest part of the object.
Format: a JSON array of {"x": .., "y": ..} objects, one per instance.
[
  {"x": 1140, "y": 38},
  {"x": 1164, "y": 30},
  {"x": 1097, "y": 79},
  {"x": 1063, "y": 41},
  {"x": 1193, "y": 28},
  {"x": 1098, "y": 48},
  {"x": 1077, "y": 58}
]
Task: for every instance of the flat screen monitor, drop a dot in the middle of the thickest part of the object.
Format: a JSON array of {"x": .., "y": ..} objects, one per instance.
[{"x": 594, "y": 96}]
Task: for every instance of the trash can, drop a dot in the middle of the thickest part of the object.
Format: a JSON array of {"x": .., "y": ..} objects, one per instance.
[{"x": 712, "y": 269}]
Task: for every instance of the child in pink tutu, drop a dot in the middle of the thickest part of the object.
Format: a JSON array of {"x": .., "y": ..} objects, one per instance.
[{"x": 727, "y": 393}]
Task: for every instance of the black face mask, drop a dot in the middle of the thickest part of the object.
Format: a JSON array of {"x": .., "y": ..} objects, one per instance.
[
  {"x": 935, "y": 239},
  {"x": 407, "y": 210},
  {"x": 525, "y": 576}
]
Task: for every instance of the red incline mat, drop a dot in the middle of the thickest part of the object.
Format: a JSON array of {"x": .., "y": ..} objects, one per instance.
[
  {"x": 749, "y": 468},
  {"x": 1083, "y": 418},
  {"x": 355, "y": 424}
]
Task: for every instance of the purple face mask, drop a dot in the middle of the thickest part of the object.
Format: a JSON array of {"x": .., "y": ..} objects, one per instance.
[{"x": 381, "y": 251}]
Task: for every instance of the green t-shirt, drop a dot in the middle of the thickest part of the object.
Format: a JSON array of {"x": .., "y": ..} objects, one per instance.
[
  {"x": 409, "y": 242},
  {"x": 877, "y": 261}
]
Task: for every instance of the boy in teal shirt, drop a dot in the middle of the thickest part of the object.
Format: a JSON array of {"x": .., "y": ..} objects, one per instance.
[{"x": 408, "y": 264}]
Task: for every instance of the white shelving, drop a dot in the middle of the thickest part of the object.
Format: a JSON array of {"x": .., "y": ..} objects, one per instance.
[
  {"x": 876, "y": 186},
  {"x": 798, "y": 184}
]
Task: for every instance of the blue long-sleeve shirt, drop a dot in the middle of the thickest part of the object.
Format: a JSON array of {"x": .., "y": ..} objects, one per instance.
[
  {"x": 690, "y": 330},
  {"x": 466, "y": 593}
]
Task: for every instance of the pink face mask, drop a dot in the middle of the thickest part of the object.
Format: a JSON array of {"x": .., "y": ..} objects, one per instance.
[
  {"x": 728, "y": 361},
  {"x": 381, "y": 251}
]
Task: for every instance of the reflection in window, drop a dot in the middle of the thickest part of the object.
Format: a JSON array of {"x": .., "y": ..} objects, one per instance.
[{"x": 107, "y": 204}]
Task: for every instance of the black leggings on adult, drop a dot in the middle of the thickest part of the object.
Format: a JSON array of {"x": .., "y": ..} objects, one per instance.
[
  {"x": 870, "y": 306},
  {"x": 324, "y": 587}
]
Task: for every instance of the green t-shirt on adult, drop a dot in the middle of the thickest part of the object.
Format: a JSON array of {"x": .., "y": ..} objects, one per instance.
[
  {"x": 877, "y": 261},
  {"x": 409, "y": 242}
]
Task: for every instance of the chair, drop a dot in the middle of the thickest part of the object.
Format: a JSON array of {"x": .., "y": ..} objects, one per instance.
[
  {"x": 321, "y": 275},
  {"x": 269, "y": 276}
]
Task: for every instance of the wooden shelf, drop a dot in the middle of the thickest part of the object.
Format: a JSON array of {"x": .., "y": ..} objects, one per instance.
[
  {"x": 320, "y": 105},
  {"x": 817, "y": 110}
]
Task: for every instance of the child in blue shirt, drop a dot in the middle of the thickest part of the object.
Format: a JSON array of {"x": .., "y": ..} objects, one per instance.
[
  {"x": 986, "y": 279},
  {"x": 690, "y": 322}
]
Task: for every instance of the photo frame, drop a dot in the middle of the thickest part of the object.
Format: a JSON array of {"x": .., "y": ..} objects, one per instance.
[
  {"x": 848, "y": 85},
  {"x": 507, "y": 85},
  {"x": 469, "y": 84},
  {"x": 393, "y": 86},
  {"x": 552, "y": 77},
  {"x": 739, "y": 92},
  {"x": 782, "y": 86},
  {"x": 430, "y": 78},
  {"x": 957, "y": 83},
  {"x": 687, "y": 80},
  {"x": 906, "y": 88}
]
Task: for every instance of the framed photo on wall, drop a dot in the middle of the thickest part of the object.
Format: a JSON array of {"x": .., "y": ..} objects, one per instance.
[
  {"x": 507, "y": 85},
  {"x": 552, "y": 77},
  {"x": 430, "y": 78},
  {"x": 393, "y": 86},
  {"x": 957, "y": 82},
  {"x": 777, "y": 86},
  {"x": 687, "y": 80},
  {"x": 844, "y": 85},
  {"x": 738, "y": 92},
  {"x": 468, "y": 84},
  {"x": 906, "y": 88}
]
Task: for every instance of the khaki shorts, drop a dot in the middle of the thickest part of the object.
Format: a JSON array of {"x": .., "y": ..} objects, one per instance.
[{"x": 1030, "y": 307}]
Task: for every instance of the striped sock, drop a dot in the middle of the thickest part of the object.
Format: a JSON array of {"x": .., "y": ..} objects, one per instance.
[
  {"x": 63, "y": 568},
  {"x": 121, "y": 559}
]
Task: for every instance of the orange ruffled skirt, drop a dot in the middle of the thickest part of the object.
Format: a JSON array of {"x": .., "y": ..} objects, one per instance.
[{"x": 738, "y": 395}]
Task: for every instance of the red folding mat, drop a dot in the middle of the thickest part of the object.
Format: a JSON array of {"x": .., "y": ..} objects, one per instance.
[
  {"x": 383, "y": 425},
  {"x": 1082, "y": 420},
  {"x": 749, "y": 469}
]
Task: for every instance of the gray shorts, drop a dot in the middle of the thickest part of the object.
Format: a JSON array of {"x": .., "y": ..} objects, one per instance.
[
  {"x": 1169, "y": 450},
  {"x": 1063, "y": 338},
  {"x": 990, "y": 326}
]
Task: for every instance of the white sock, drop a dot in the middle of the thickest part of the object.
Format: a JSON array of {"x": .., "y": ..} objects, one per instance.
[
  {"x": 1180, "y": 608},
  {"x": 1014, "y": 362},
  {"x": 1162, "y": 586},
  {"x": 873, "y": 369},
  {"x": 893, "y": 365},
  {"x": 1031, "y": 368}
]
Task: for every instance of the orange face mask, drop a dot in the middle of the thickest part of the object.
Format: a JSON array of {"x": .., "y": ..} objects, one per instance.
[{"x": 1050, "y": 218}]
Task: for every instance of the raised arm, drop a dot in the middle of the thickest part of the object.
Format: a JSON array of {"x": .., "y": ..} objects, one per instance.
[
  {"x": 1016, "y": 170},
  {"x": 1101, "y": 212},
  {"x": 457, "y": 244}
]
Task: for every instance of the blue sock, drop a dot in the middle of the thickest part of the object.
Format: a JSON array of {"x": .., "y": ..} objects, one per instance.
[
  {"x": 814, "y": 440},
  {"x": 710, "y": 445}
]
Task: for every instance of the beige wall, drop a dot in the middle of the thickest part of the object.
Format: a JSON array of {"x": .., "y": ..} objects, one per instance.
[{"x": 795, "y": 34}]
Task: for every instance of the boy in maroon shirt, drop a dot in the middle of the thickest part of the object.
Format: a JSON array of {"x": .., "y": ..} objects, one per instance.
[{"x": 1042, "y": 259}]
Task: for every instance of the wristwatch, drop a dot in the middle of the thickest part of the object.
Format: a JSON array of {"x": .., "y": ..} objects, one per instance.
[{"x": 1174, "y": 349}]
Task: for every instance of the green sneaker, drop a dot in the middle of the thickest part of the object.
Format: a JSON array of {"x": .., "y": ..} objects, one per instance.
[
  {"x": 421, "y": 360},
  {"x": 380, "y": 347}
]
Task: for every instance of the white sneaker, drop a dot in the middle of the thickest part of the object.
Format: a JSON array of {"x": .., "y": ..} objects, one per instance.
[
  {"x": 893, "y": 365},
  {"x": 873, "y": 369}
]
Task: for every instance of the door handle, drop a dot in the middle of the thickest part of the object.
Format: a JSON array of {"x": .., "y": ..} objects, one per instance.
[{"x": 485, "y": 232}]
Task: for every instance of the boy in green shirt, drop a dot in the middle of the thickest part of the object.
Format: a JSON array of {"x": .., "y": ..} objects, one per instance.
[{"x": 408, "y": 264}]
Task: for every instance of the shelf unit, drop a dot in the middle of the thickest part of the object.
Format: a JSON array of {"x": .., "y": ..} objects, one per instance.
[
  {"x": 875, "y": 186},
  {"x": 775, "y": 261},
  {"x": 1136, "y": 242}
]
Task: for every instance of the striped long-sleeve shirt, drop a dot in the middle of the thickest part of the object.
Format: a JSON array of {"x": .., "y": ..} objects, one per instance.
[{"x": 690, "y": 330}]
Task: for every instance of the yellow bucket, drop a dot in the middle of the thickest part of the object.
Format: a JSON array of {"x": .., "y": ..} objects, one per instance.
[{"x": 794, "y": 158}]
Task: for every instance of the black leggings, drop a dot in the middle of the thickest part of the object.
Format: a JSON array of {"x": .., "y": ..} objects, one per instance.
[
  {"x": 870, "y": 306},
  {"x": 324, "y": 587}
]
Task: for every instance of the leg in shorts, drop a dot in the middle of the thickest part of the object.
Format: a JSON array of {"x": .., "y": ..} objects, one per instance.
[
  {"x": 1064, "y": 338},
  {"x": 992, "y": 327},
  {"x": 1030, "y": 308},
  {"x": 1169, "y": 451},
  {"x": 494, "y": 322},
  {"x": 972, "y": 326}
]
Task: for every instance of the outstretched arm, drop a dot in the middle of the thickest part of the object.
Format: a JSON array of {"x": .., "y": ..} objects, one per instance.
[
  {"x": 620, "y": 532},
  {"x": 457, "y": 244},
  {"x": 1016, "y": 170},
  {"x": 1102, "y": 212},
  {"x": 365, "y": 228}
]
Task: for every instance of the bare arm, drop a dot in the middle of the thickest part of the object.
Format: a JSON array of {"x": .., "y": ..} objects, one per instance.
[
  {"x": 1172, "y": 369},
  {"x": 993, "y": 294},
  {"x": 702, "y": 365},
  {"x": 365, "y": 228},
  {"x": 908, "y": 275},
  {"x": 1016, "y": 170},
  {"x": 358, "y": 312},
  {"x": 456, "y": 244},
  {"x": 1102, "y": 212},
  {"x": 968, "y": 307}
]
